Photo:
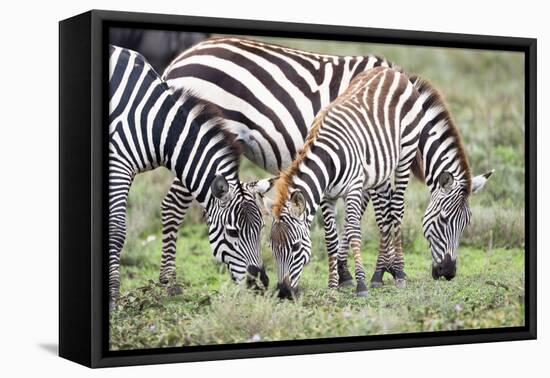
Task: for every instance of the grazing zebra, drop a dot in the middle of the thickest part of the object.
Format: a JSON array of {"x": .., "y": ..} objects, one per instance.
[
  {"x": 269, "y": 96},
  {"x": 353, "y": 140},
  {"x": 150, "y": 125},
  {"x": 442, "y": 163},
  {"x": 362, "y": 139}
]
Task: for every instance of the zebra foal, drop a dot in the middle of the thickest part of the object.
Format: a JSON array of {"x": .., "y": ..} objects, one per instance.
[{"x": 363, "y": 138}]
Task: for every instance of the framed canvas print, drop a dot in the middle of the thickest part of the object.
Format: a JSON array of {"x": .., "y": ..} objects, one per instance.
[{"x": 234, "y": 188}]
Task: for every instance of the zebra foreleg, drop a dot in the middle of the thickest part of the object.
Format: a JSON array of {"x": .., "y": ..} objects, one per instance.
[
  {"x": 119, "y": 186},
  {"x": 353, "y": 235},
  {"x": 331, "y": 240},
  {"x": 174, "y": 207}
]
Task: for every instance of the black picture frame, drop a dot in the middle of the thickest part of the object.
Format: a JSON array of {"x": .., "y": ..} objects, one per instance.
[{"x": 83, "y": 297}]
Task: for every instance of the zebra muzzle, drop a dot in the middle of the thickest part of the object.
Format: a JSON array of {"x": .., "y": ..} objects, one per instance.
[
  {"x": 446, "y": 268},
  {"x": 257, "y": 278},
  {"x": 285, "y": 289}
]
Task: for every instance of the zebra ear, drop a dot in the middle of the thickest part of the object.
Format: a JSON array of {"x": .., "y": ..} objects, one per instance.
[
  {"x": 445, "y": 180},
  {"x": 263, "y": 186},
  {"x": 478, "y": 182},
  {"x": 297, "y": 204},
  {"x": 220, "y": 189}
]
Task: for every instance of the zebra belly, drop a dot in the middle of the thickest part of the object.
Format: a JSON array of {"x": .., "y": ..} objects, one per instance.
[{"x": 376, "y": 173}]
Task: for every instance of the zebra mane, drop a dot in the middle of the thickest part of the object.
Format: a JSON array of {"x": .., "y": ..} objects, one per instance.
[
  {"x": 190, "y": 100},
  {"x": 435, "y": 99},
  {"x": 285, "y": 177}
]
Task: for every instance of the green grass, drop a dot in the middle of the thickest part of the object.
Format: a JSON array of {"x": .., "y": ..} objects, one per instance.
[
  {"x": 485, "y": 92},
  {"x": 487, "y": 292}
]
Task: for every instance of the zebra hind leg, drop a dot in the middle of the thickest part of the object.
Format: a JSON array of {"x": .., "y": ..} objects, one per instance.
[
  {"x": 397, "y": 267},
  {"x": 377, "y": 279},
  {"x": 353, "y": 235},
  {"x": 382, "y": 262},
  {"x": 381, "y": 199},
  {"x": 398, "y": 209},
  {"x": 174, "y": 207},
  {"x": 345, "y": 279}
]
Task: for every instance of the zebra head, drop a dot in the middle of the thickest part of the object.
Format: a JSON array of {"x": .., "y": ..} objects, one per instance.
[
  {"x": 290, "y": 242},
  {"x": 447, "y": 215},
  {"x": 235, "y": 222}
]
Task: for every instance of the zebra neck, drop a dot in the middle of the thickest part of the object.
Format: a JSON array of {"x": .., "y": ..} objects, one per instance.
[
  {"x": 442, "y": 152},
  {"x": 200, "y": 182},
  {"x": 190, "y": 141},
  {"x": 312, "y": 181},
  {"x": 200, "y": 152}
]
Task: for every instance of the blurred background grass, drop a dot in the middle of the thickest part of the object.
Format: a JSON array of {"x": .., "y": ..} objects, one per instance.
[{"x": 485, "y": 92}]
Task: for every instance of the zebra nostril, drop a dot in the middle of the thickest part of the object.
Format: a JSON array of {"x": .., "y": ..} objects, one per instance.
[
  {"x": 253, "y": 270},
  {"x": 436, "y": 271},
  {"x": 446, "y": 268},
  {"x": 285, "y": 291}
]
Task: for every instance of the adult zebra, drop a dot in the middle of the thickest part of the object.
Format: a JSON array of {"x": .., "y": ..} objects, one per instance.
[
  {"x": 359, "y": 141},
  {"x": 269, "y": 96},
  {"x": 150, "y": 125}
]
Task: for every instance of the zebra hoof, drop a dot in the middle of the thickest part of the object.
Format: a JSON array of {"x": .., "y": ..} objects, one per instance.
[
  {"x": 361, "y": 290},
  {"x": 376, "y": 281},
  {"x": 347, "y": 283},
  {"x": 345, "y": 278},
  {"x": 112, "y": 305},
  {"x": 174, "y": 290},
  {"x": 400, "y": 283},
  {"x": 376, "y": 284}
]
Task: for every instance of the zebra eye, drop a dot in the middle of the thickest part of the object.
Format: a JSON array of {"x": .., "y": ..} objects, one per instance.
[
  {"x": 296, "y": 246},
  {"x": 232, "y": 232},
  {"x": 444, "y": 218}
]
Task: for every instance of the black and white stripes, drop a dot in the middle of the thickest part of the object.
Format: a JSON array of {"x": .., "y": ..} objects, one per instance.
[
  {"x": 444, "y": 165},
  {"x": 366, "y": 136},
  {"x": 269, "y": 96},
  {"x": 151, "y": 125}
]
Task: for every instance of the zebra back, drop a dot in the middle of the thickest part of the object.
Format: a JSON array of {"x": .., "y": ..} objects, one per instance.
[{"x": 269, "y": 94}]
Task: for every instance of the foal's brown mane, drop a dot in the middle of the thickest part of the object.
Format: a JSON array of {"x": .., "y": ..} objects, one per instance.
[{"x": 285, "y": 177}]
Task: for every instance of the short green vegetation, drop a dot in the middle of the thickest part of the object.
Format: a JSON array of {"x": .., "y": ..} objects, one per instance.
[
  {"x": 485, "y": 93},
  {"x": 487, "y": 292}
]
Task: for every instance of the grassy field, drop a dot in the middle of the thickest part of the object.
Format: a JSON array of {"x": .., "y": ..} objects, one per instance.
[
  {"x": 485, "y": 93},
  {"x": 487, "y": 292}
]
